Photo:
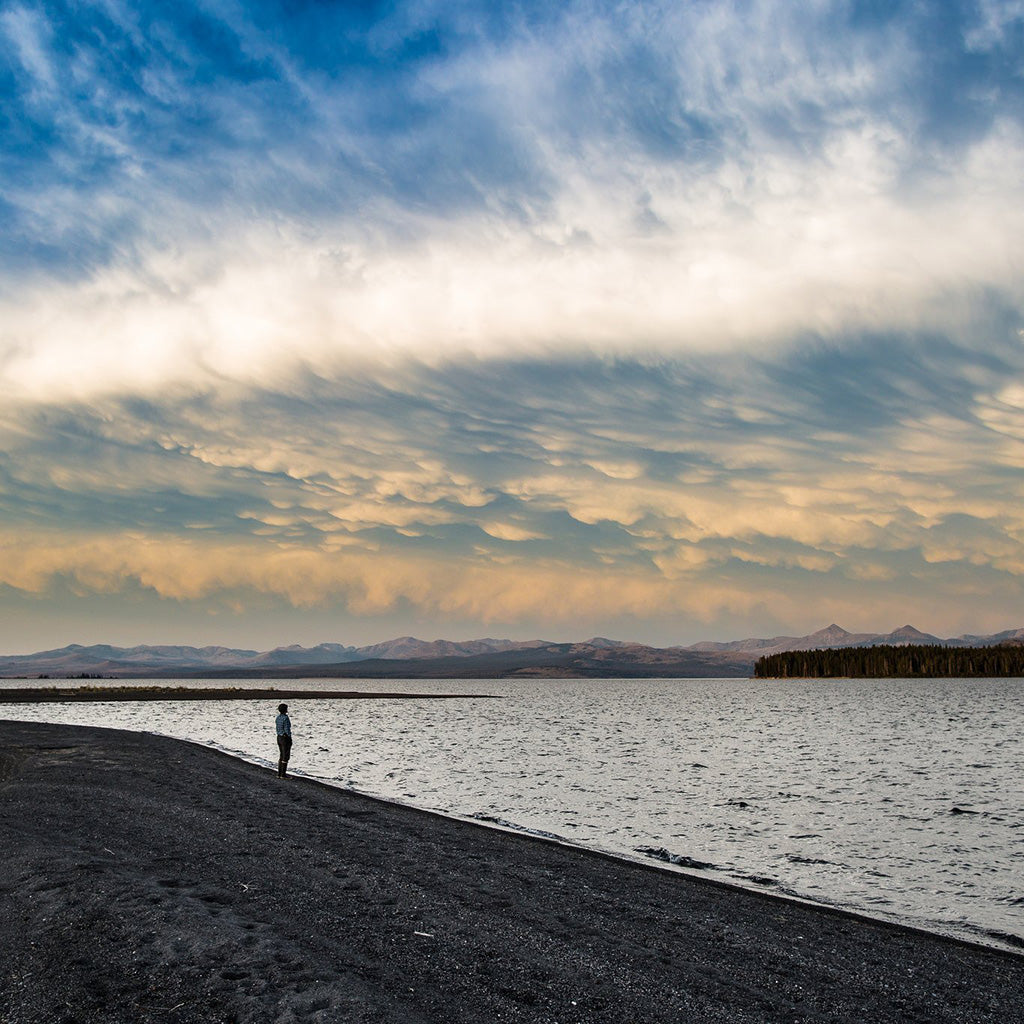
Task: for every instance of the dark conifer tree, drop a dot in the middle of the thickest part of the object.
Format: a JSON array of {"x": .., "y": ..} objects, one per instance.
[{"x": 887, "y": 661}]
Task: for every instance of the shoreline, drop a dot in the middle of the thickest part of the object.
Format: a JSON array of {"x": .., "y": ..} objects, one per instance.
[
  {"x": 992, "y": 926},
  {"x": 176, "y": 882},
  {"x": 1001, "y": 942}
]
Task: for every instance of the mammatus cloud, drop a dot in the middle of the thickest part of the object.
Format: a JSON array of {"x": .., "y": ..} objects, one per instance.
[
  {"x": 567, "y": 492},
  {"x": 366, "y": 583},
  {"x": 485, "y": 591}
]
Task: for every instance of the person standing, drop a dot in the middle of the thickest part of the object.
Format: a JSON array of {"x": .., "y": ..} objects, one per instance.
[{"x": 284, "y": 739}]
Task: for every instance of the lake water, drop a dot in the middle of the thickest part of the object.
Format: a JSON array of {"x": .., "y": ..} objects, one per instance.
[{"x": 900, "y": 798}]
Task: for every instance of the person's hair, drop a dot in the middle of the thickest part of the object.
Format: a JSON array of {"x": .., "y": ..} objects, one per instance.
[{"x": 283, "y": 708}]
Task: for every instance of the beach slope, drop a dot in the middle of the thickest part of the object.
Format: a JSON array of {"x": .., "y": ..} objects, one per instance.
[{"x": 145, "y": 879}]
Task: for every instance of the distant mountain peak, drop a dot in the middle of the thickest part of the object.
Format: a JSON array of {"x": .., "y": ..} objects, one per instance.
[
  {"x": 831, "y": 632},
  {"x": 909, "y": 632},
  {"x": 603, "y": 641}
]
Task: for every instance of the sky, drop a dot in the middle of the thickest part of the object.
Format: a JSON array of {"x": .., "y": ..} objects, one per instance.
[{"x": 659, "y": 321}]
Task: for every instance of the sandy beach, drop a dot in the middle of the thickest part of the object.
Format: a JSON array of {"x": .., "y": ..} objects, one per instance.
[{"x": 146, "y": 879}]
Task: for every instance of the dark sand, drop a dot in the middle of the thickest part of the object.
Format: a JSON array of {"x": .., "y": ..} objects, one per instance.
[{"x": 145, "y": 879}]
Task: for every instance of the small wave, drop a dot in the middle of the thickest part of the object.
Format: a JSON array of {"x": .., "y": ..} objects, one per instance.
[
  {"x": 758, "y": 879},
  {"x": 502, "y": 823},
  {"x": 795, "y": 858},
  {"x": 1017, "y": 941},
  {"x": 660, "y": 853}
]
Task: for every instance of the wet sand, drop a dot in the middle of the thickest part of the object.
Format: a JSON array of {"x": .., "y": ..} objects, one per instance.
[{"x": 145, "y": 879}]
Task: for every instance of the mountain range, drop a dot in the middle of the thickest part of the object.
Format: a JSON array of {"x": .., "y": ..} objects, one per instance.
[{"x": 408, "y": 657}]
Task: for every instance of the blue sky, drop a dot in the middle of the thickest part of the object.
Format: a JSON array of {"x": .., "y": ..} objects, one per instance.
[{"x": 659, "y": 321}]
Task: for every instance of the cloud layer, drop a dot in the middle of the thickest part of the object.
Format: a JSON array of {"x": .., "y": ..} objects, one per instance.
[
  {"x": 676, "y": 495},
  {"x": 208, "y": 193},
  {"x": 682, "y": 316}
]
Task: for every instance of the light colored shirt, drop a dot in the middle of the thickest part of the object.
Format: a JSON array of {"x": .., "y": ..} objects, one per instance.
[{"x": 284, "y": 725}]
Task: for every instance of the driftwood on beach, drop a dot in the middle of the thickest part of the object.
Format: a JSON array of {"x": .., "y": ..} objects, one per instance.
[{"x": 147, "y": 879}]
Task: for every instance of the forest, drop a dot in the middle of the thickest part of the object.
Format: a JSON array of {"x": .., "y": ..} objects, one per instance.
[{"x": 889, "y": 661}]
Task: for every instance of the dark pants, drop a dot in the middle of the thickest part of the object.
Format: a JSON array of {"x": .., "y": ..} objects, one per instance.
[{"x": 285, "y": 745}]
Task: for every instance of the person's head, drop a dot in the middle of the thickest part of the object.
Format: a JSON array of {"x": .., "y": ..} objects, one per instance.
[{"x": 283, "y": 708}]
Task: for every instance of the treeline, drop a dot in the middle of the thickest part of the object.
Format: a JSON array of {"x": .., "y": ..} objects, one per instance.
[{"x": 885, "y": 660}]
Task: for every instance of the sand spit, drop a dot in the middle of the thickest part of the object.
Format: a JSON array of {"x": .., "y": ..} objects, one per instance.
[
  {"x": 73, "y": 694},
  {"x": 145, "y": 879}
]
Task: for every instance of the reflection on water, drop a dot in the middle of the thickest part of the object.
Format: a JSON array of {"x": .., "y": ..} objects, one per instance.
[{"x": 897, "y": 797}]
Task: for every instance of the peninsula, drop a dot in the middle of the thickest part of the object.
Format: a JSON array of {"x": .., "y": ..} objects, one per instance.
[{"x": 147, "y": 879}]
